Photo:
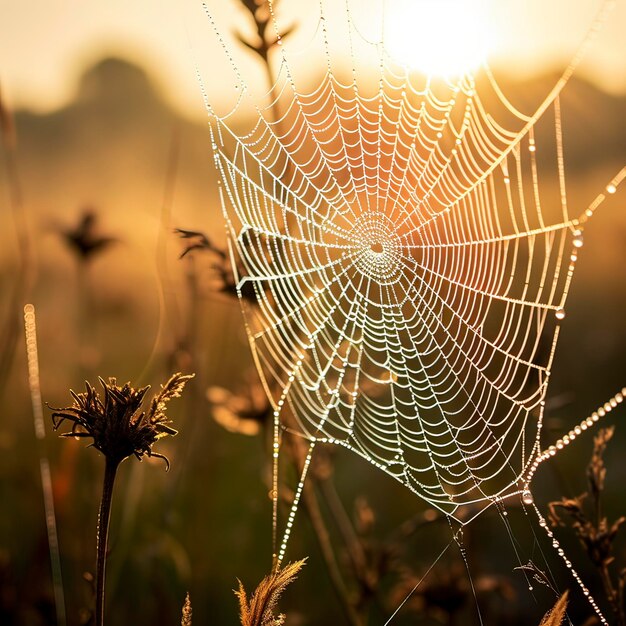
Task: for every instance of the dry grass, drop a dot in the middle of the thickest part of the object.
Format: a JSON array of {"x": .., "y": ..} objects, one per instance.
[
  {"x": 187, "y": 612},
  {"x": 556, "y": 615},
  {"x": 597, "y": 535},
  {"x": 260, "y": 608}
]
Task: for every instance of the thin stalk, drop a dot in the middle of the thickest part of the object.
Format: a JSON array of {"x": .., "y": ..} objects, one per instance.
[
  {"x": 110, "y": 470},
  {"x": 32, "y": 356},
  {"x": 192, "y": 344},
  {"x": 264, "y": 52},
  {"x": 343, "y": 523},
  {"x": 311, "y": 503},
  {"x": 612, "y": 595},
  {"x": 271, "y": 81},
  {"x": 26, "y": 262},
  {"x": 323, "y": 538},
  {"x": 169, "y": 310},
  {"x": 85, "y": 317}
]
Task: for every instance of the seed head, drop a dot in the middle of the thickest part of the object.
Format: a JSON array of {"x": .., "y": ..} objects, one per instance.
[
  {"x": 118, "y": 425},
  {"x": 85, "y": 238}
]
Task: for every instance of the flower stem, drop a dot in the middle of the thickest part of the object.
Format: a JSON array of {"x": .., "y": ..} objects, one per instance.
[{"x": 110, "y": 470}]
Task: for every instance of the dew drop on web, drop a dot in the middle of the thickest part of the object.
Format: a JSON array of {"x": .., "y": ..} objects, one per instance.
[{"x": 578, "y": 239}]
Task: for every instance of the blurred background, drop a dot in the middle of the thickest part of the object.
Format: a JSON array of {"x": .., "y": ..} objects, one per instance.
[{"x": 106, "y": 150}]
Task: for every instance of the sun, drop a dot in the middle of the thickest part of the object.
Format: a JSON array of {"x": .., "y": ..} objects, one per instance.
[{"x": 439, "y": 37}]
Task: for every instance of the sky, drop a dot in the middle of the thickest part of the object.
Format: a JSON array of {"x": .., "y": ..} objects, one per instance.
[{"x": 46, "y": 44}]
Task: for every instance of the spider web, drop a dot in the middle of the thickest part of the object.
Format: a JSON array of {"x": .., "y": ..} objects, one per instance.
[{"x": 402, "y": 270}]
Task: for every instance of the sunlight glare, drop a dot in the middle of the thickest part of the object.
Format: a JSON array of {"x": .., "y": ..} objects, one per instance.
[{"x": 439, "y": 37}]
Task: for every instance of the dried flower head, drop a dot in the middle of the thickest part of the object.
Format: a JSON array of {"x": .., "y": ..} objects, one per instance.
[
  {"x": 221, "y": 272},
  {"x": 118, "y": 425},
  {"x": 197, "y": 240},
  {"x": 85, "y": 239}
]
